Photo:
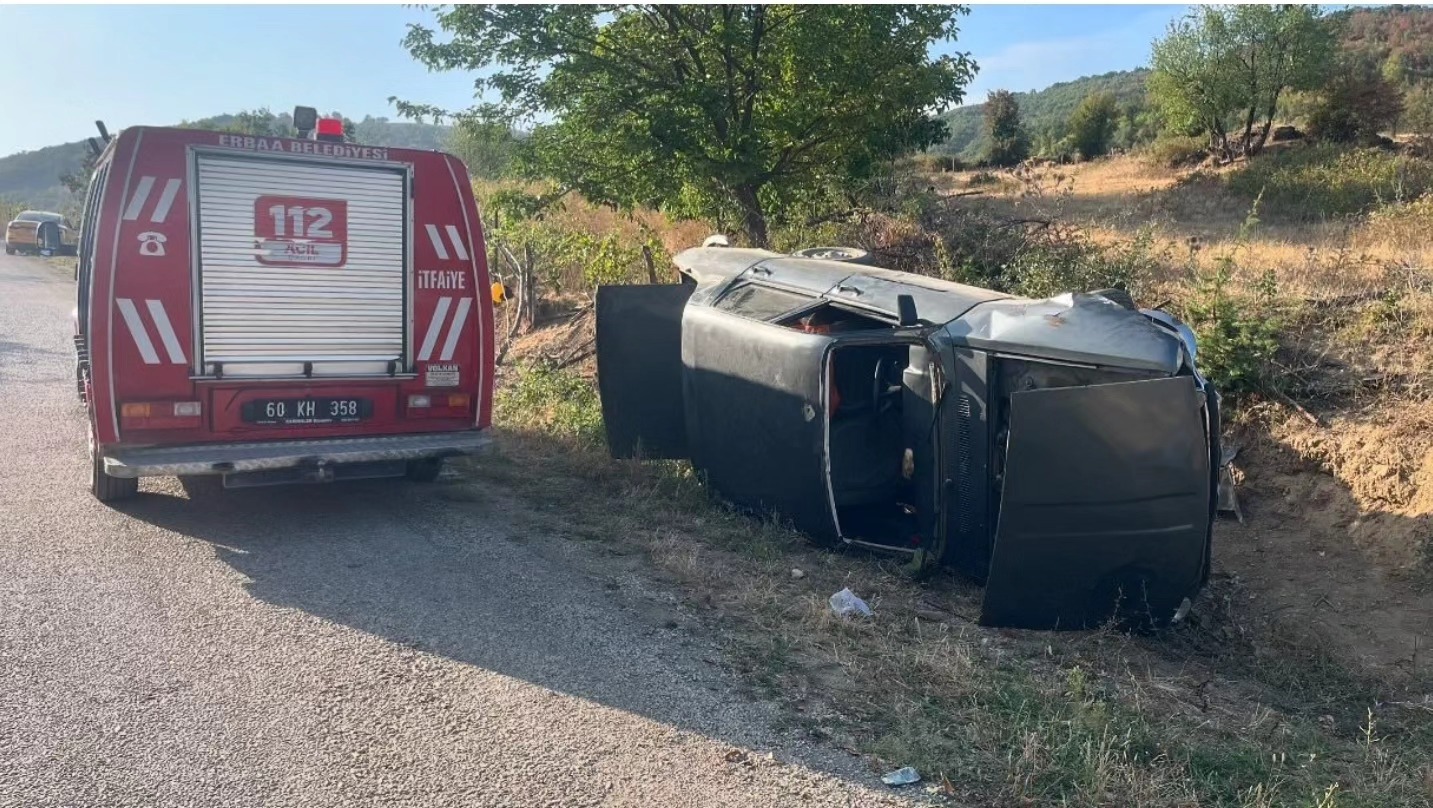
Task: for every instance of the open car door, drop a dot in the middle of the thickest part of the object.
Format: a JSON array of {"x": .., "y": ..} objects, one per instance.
[
  {"x": 1105, "y": 510},
  {"x": 756, "y": 415},
  {"x": 639, "y": 369}
]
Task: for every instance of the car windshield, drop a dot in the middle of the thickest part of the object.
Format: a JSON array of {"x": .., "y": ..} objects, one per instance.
[{"x": 38, "y": 216}]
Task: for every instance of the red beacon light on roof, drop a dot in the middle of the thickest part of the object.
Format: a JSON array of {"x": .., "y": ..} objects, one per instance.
[{"x": 330, "y": 129}]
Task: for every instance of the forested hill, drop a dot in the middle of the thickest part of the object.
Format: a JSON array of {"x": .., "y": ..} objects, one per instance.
[
  {"x": 32, "y": 178},
  {"x": 1399, "y": 38},
  {"x": 1043, "y": 109}
]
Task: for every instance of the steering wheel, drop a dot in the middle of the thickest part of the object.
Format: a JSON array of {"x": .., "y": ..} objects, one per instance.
[{"x": 883, "y": 391}]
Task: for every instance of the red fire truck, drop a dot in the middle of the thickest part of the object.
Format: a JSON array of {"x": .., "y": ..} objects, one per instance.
[{"x": 277, "y": 310}]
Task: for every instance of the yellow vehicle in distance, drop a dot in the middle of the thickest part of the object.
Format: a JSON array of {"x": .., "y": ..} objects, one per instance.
[{"x": 40, "y": 231}]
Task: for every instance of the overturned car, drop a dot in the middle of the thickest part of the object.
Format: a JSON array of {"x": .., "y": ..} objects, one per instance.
[{"x": 1062, "y": 452}]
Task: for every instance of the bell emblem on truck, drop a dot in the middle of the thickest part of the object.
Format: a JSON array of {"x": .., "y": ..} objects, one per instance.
[{"x": 152, "y": 243}]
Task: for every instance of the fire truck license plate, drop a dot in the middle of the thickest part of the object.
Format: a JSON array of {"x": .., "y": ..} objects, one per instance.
[{"x": 287, "y": 411}]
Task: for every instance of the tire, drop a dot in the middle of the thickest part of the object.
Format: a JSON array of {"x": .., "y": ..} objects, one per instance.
[
  {"x": 104, "y": 487},
  {"x": 9, "y": 250},
  {"x": 425, "y": 470}
]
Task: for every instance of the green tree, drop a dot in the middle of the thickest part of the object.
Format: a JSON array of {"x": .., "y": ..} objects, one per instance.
[
  {"x": 1093, "y": 124},
  {"x": 487, "y": 148},
  {"x": 1357, "y": 103},
  {"x": 1418, "y": 109},
  {"x": 1005, "y": 137},
  {"x": 707, "y": 110},
  {"x": 1220, "y": 71}
]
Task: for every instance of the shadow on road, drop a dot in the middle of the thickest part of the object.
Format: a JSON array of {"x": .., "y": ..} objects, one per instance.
[{"x": 444, "y": 569}]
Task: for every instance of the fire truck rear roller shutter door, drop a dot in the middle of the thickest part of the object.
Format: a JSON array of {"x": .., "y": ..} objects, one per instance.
[{"x": 261, "y": 313}]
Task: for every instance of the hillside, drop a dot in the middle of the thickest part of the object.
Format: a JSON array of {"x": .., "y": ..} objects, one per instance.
[
  {"x": 32, "y": 178},
  {"x": 1042, "y": 109},
  {"x": 1400, "y": 33}
]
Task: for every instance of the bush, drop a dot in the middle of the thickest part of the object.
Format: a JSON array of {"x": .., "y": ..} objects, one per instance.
[
  {"x": 557, "y": 401},
  {"x": 1237, "y": 333},
  {"x": 1355, "y": 105},
  {"x": 1176, "y": 151},
  {"x": 1328, "y": 180}
]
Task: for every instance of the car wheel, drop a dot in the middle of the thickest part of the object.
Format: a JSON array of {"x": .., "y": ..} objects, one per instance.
[
  {"x": 425, "y": 470},
  {"x": 104, "y": 487}
]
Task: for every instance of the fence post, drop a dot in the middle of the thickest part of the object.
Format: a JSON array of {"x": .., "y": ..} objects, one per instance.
[{"x": 651, "y": 265}]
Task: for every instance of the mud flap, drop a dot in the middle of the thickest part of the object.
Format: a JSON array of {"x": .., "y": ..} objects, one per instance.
[
  {"x": 1105, "y": 509},
  {"x": 639, "y": 369}
]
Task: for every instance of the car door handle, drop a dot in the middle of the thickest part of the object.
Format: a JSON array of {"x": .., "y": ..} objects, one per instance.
[
  {"x": 848, "y": 289},
  {"x": 760, "y": 271}
]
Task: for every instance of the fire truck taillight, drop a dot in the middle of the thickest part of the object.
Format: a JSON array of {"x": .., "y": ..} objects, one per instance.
[
  {"x": 160, "y": 414},
  {"x": 439, "y": 405}
]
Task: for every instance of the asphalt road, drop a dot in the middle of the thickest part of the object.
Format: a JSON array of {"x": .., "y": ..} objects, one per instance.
[{"x": 376, "y": 643}]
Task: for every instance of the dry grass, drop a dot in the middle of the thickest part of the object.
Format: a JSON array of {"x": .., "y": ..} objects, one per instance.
[
  {"x": 1252, "y": 704},
  {"x": 1191, "y": 216},
  {"x": 1232, "y": 710}
]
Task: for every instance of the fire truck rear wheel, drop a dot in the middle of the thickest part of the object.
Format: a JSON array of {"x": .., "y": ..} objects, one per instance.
[
  {"x": 425, "y": 470},
  {"x": 104, "y": 487}
]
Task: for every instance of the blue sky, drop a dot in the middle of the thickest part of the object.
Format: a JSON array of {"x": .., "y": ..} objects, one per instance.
[{"x": 66, "y": 66}]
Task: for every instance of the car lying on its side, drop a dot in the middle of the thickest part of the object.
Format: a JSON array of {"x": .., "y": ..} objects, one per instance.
[
  {"x": 40, "y": 231},
  {"x": 1063, "y": 452}
]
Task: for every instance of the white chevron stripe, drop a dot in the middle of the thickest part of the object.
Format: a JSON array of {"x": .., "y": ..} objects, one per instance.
[
  {"x": 136, "y": 330},
  {"x": 435, "y": 327},
  {"x": 166, "y": 199},
  {"x": 141, "y": 195},
  {"x": 437, "y": 240},
  {"x": 458, "y": 246},
  {"x": 459, "y": 317},
  {"x": 166, "y": 331}
]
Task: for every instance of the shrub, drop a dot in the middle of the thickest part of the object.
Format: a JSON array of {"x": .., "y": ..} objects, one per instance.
[
  {"x": 1355, "y": 105},
  {"x": 557, "y": 401},
  {"x": 1327, "y": 180},
  {"x": 1176, "y": 151},
  {"x": 1237, "y": 333}
]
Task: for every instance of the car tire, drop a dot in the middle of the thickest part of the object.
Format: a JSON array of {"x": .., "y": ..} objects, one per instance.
[
  {"x": 9, "y": 250},
  {"x": 425, "y": 470},
  {"x": 104, "y": 487}
]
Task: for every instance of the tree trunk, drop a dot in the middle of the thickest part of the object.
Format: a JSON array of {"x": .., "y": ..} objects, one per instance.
[
  {"x": 753, "y": 219},
  {"x": 1248, "y": 138}
]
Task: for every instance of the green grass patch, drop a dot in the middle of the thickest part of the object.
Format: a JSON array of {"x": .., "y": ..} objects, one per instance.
[{"x": 1326, "y": 180}]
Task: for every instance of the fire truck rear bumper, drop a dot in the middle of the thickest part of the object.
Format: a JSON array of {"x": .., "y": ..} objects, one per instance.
[{"x": 232, "y": 458}]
